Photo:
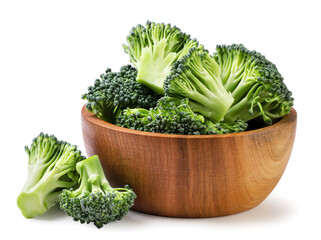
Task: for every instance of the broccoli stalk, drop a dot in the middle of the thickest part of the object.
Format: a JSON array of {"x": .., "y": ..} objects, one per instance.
[
  {"x": 153, "y": 49},
  {"x": 197, "y": 76},
  {"x": 95, "y": 200},
  {"x": 51, "y": 167},
  {"x": 255, "y": 84}
]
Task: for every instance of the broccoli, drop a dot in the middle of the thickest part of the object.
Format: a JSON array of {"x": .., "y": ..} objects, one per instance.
[
  {"x": 153, "y": 49},
  {"x": 174, "y": 116},
  {"x": 51, "y": 167},
  {"x": 171, "y": 116},
  {"x": 224, "y": 128},
  {"x": 197, "y": 76},
  {"x": 95, "y": 200},
  {"x": 255, "y": 83},
  {"x": 234, "y": 84},
  {"x": 115, "y": 91}
]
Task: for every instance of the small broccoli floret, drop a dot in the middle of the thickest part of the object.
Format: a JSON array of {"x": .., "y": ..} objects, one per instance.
[
  {"x": 255, "y": 83},
  {"x": 224, "y": 128},
  {"x": 115, "y": 91},
  {"x": 153, "y": 49},
  {"x": 197, "y": 76},
  {"x": 171, "y": 116},
  {"x": 51, "y": 167},
  {"x": 95, "y": 200}
]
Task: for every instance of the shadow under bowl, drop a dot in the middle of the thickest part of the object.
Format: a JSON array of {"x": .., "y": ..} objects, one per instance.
[{"x": 192, "y": 175}]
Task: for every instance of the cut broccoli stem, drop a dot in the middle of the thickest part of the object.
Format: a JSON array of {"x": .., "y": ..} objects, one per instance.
[
  {"x": 153, "y": 49},
  {"x": 36, "y": 200},
  {"x": 154, "y": 66}
]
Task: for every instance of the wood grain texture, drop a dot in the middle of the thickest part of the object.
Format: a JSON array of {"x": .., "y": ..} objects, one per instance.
[{"x": 192, "y": 176}]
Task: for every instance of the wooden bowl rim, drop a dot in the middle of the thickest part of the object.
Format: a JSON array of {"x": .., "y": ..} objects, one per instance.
[{"x": 290, "y": 117}]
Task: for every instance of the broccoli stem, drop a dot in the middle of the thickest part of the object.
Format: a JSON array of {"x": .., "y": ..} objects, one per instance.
[
  {"x": 92, "y": 177},
  {"x": 249, "y": 108},
  {"x": 244, "y": 87},
  {"x": 36, "y": 199},
  {"x": 155, "y": 66},
  {"x": 241, "y": 111},
  {"x": 234, "y": 72},
  {"x": 212, "y": 100}
]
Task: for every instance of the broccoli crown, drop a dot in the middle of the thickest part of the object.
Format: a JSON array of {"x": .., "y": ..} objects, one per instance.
[
  {"x": 255, "y": 84},
  {"x": 115, "y": 91},
  {"x": 197, "y": 76},
  {"x": 153, "y": 49},
  {"x": 51, "y": 167},
  {"x": 171, "y": 116},
  {"x": 233, "y": 84},
  {"x": 95, "y": 200}
]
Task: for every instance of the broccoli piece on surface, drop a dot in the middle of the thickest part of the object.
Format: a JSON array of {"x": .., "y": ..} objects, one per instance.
[
  {"x": 197, "y": 76},
  {"x": 115, "y": 91},
  {"x": 95, "y": 200},
  {"x": 153, "y": 49},
  {"x": 51, "y": 167},
  {"x": 255, "y": 84},
  {"x": 171, "y": 116}
]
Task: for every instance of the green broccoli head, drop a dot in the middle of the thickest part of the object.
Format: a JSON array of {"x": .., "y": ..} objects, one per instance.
[
  {"x": 255, "y": 84},
  {"x": 51, "y": 167},
  {"x": 153, "y": 49},
  {"x": 171, "y": 116},
  {"x": 197, "y": 76},
  {"x": 233, "y": 84},
  {"x": 95, "y": 200},
  {"x": 115, "y": 91}
]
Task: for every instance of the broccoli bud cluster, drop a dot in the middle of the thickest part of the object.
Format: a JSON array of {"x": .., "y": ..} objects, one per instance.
[
  {"x": 115, "y": 91},
  {"x": 170, "y": 116}
]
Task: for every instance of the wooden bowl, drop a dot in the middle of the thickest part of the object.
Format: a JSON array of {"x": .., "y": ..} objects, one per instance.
[{"x": 192, "y": 176}]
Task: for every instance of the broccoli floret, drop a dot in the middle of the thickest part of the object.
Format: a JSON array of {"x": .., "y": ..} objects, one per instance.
[
  {"x": 153, "y": 49},
  {"x": 171, "y": 116},
  {"x": 115, "y": 91},
  {"x": 255, "y": 84},
  {"x": 197, "y": 76},
  {"x": 95, "y": 200},
  {"x": 224, "y": 128},
  {"x": 51, "y": 167},
  {"x": 174, "y": 116},
  {"x": 235, "y": 84}
]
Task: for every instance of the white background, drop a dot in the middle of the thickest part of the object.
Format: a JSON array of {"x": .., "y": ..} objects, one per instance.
[{"x": 50, "y": 51}]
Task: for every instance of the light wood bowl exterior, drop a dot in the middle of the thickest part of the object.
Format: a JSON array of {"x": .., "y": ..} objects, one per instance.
[{"x": 192, "y": 176}]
